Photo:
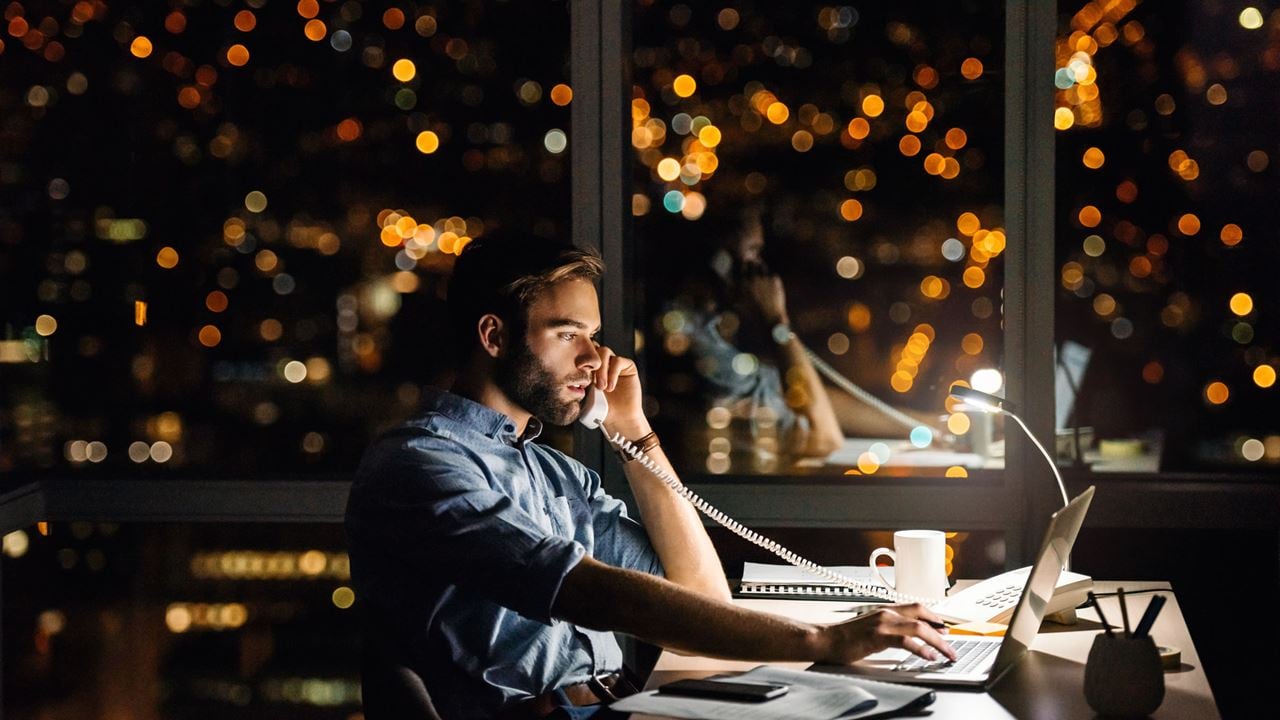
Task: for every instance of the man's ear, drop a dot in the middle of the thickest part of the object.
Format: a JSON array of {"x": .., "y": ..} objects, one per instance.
[{"x": 493, "y": 335}]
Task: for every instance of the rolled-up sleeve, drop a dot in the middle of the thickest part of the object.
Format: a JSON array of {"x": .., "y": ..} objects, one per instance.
[
  {"x": 619, "y": 540},
  {"x": 432, "y": 510}
]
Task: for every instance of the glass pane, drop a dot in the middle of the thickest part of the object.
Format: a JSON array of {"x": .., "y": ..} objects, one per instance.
[
  {"x": 153, "y": 621},
  {"x": 1166, "y": 176},
  {"x": 839, "y": 169},
  {"x": 226, "y": 227}
]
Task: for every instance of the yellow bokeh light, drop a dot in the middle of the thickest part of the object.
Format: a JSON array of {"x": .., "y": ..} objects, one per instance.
[
  {"x": 956, "y": 138},
  {"x": 916, "y": 121},
  {"x": 308, "y": 8},
  {"x": 859, "y": 317},
  {"x": 315, "y": 30},
  {"x": 974, "y": 277},
  {"x": 216, "y": 301},
  {"x": 957, "y": 471},
  {"x": 1063, "y": 118},
  {"x": 709, "y": 136},
  {"x": 210, "y": 336},
  {"x": 901, "y": 381},
  {"x": 859, "y": 128},
  {"x": 427, "y": 142},
  {"x": 684, "y": 85},
  {"x": 934, "y": 163},
  {"x": 968, "y": 223},
  {"x": 404, "y": 70},
  {"x": 561, "y": 95},
  {"x": 390, "y": 237},
  {"x": 872, "y": 105},
  {"x": 245, "y": 21},
  {"x": 971, "y": 68},
  {"x": 909, "y": 145},
  {"x": 958, "y": 423},
  {"x": 1093, "y": 158},
  {"x": 802, "y": 141},
  {"x": 343, "y": 597},
  {"x": 1264, "y": 376},
  {"x": 167, "y": 258},
  {"x": 238, "y": 55},
  {"x": 1189, "y": 224},
  {"x": 868, "y": 463},
  {"x": 46, "y": 325},
  {"x": 1089, "y": 216},
  {"x": 1241, "y": 304},
  {"x": 850, "y": 210},
  {"x": 971, "y": 344},
  {"x": 777, "y": 113},
  {"x": 668, "y": 169},
  {"x": 141, "y": 47},
  {"x": 1216, "y": 392},
  {"x": 1231, "y": 234}
]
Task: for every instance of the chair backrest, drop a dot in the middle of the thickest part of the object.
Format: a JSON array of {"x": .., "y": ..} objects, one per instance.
[{"x": 390, "y": 689}]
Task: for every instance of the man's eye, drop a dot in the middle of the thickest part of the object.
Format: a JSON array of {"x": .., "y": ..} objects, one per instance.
[{"x": 568, "y": 337}]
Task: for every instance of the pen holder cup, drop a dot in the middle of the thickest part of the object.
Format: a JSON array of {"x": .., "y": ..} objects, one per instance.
[{"x": 1123, "y": 677}]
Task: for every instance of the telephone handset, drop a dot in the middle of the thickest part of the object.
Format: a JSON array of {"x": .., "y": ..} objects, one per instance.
[{"x": 594, "y": 410}]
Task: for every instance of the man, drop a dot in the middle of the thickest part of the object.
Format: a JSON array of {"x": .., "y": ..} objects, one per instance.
[
  {"x": 494, "y": 569},
  {"x": 741, "y": 306}
]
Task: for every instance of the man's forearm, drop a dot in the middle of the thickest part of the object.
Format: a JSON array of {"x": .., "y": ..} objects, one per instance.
[
  {"x": 607, "y": 598},
  {"x": 676, "y": 531},
  {"x": 825, "y": 434}
]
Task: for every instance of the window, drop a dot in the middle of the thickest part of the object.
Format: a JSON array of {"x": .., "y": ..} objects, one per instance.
[
  {"x": 856, "y": 153},
  {"x": 1165, "y": 201},
  {"x": 228, "y": 226}
]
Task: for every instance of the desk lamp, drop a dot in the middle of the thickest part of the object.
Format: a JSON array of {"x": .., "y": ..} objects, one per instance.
[{"x": 989, "y": 403}]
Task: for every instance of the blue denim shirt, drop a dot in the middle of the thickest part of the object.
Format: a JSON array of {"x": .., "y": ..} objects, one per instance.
[{"x": 461, "y": 533}]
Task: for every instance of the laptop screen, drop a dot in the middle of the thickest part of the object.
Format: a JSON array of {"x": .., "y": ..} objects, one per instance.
[{"x": 1025, "y": 623}]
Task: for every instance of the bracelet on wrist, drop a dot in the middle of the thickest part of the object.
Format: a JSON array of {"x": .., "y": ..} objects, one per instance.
[{"x": 645, "y": 444}]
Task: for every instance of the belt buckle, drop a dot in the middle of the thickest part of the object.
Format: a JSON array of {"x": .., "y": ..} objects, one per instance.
[{"x": 604, "y": 691}]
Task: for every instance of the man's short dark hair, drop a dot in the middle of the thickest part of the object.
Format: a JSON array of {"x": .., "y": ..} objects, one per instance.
[{"x": 503, "y": 274}]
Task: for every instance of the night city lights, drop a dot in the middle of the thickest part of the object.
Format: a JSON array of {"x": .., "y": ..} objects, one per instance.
[{"x": 227, "y": 230}]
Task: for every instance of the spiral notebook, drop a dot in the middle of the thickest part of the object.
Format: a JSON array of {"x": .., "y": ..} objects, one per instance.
[{"x": 764, "y": 580}]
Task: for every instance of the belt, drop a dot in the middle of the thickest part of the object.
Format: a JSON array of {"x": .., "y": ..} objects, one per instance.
[{"x": 602, "y": 688}]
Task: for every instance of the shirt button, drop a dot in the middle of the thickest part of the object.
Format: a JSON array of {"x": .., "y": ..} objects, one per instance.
[{"x": 509, "y": 428}]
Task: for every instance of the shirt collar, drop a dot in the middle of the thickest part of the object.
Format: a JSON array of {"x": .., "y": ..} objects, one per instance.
[{"x": 478, "y": 416}]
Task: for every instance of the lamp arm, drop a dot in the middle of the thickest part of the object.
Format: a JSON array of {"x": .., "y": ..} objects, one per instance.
[{"x": 1052, "y": 465}]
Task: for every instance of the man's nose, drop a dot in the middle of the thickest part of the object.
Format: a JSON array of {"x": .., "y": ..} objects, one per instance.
[{"x": 589, "y": 356}]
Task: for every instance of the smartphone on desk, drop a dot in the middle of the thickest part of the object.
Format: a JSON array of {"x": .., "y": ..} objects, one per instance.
[{"x": 725, "y": 690}]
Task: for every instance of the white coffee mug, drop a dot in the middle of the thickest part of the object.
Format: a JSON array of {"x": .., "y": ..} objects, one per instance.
[{"x": 919, "y": 563}]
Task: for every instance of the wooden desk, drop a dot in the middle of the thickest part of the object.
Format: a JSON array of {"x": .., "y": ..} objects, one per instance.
[{"x": 1047, "y": 683}]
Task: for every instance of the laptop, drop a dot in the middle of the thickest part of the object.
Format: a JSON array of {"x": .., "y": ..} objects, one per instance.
[{"x": 983, "y": 661}]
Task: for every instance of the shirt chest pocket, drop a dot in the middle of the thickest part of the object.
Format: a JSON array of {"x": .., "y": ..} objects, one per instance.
[{"x": 559, "y": 515}]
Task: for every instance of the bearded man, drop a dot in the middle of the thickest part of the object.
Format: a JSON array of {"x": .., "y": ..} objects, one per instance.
[{"x": 492, "y": 571}]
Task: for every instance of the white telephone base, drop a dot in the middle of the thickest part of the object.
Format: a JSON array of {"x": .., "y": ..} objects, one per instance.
[{"x": 993, "y": 599}]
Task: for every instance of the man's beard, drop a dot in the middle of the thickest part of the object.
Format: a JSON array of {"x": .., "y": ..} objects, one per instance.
[{"x": 532, "y": 386}]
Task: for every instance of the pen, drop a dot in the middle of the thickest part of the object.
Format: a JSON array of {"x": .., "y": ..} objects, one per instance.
[
  {"x": 1124, "y": 612},
  {"x": 1149, "y": 616},
  {"x": 1106, "y": 626}
]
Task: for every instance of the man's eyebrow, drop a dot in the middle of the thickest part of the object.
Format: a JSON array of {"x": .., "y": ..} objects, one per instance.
[{"x": 570, "y": 322}]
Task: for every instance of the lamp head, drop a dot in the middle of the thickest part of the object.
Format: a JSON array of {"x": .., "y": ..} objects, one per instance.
[{"x": 978, "y": 399}]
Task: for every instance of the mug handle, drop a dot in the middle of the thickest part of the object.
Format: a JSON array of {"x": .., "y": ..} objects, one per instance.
[{"x": 875, "y": 569}]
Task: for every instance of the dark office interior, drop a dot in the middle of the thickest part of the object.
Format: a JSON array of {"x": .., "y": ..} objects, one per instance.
[{"x": 227, "y": 229}]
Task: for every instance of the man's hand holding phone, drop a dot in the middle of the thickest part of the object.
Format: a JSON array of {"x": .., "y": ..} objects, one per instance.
[{"x": 618, "y": 378}]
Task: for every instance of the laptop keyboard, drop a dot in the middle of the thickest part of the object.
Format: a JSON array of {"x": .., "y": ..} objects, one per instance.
[{"x": 969, "y": 656}]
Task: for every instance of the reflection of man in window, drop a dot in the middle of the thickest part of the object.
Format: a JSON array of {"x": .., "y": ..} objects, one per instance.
[
  {"x": 742, "y": 342},
  {"x": 751, "y": 363},
  {"x": 491, "y": 568}
]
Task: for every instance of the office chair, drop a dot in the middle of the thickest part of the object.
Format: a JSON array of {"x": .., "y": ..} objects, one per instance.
[{"x": 390, "y": 690}]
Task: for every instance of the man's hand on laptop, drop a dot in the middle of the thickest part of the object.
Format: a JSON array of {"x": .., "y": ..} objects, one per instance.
[{"x": 897, "y": 626}]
